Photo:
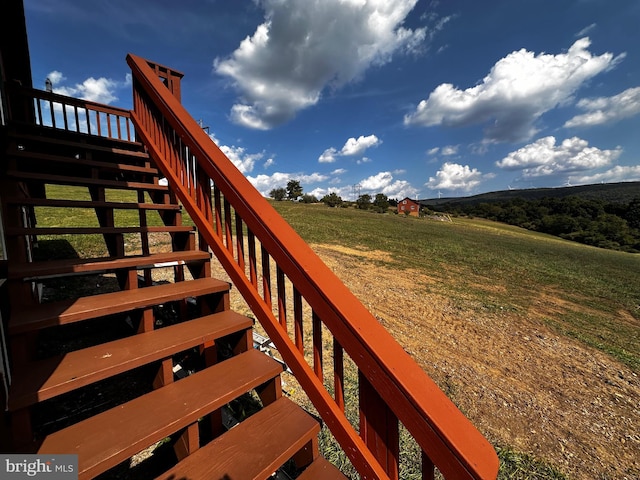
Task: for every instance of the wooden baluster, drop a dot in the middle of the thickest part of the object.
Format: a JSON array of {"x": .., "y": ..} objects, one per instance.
[
  {"x": 77, "y": 118},
  {"x": 317, "y": 346},
  {"x": 282, "y": 297},
  {"x": 297, "y": 320},
  {"x": 88, "y": 117},
  {"x": 428, "y": 468},
  {"x": 227, "y": 226},
  {"x": 64, "y": 116},
  {"x": 98, "y": 124},
  {"x": 379, "y": 427},
  {"x": 109, "y": 126},
  {"x": 218, "y": 211},
  {"x": 266, "y": 276},
  {"x": 118, "y": 118},
  {"x": 53, "y": 115},
  {"x": 240, "y": 242},
  {"x": 39, "y": 109},
  {"x": 338, "y": 373},
  {"x": 253, "y": 268}
]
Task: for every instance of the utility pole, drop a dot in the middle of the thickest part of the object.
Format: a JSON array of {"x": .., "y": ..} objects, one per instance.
[{"x": 356, "y": 191}]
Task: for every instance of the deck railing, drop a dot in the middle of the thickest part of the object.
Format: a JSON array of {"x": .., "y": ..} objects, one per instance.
[
  {"x": 318, "y": 326},
  {"x": 48, "y": 109}
]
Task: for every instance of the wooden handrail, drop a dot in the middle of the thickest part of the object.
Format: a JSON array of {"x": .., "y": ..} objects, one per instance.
[
  {"x": 50, "y": 109},
  {"x": 392, "y": 387}
]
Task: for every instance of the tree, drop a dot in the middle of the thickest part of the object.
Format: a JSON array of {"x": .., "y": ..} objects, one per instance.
[
  {"x": 278, "y": 194},
  {"x": 332, "y": 200},
  {"x": 308, "y": 198},
  {"x": 363, "y": 202},
  {"x": 381, "y": 203},
  {"x": 294, "y": 190}
]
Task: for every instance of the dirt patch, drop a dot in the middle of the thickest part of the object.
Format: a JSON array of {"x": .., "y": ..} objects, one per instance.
[{"x": 520, "y": 383}]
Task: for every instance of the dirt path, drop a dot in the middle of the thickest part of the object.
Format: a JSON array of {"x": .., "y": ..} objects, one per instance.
[{"x": 520, "y": 383}]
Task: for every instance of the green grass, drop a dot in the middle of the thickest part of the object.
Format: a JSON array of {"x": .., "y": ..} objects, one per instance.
[
  {"x": 478, "y": 264},
  {"x": 491, "y": 266}
]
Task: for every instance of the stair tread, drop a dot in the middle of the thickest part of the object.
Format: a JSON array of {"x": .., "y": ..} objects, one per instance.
[
  {"x": 84, "y": 181},
  {"x": 106, "y": 439},
  {"x": 75, "y": 310},
  {"x": 254, "y": 449},
  {"x": 106, "y": 165},
  {"x": 63, "y": 203},
  {"x": 13, "y": 231},
  {"x": 86, "y": 146},
  {"x": 321, "y": 468},
  {"x": 80, "y": 265},
  {"x": 40, "y": 380}
]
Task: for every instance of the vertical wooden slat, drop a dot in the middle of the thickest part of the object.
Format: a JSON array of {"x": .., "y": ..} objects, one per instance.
[
  {"x": 338, "y": 373},
  {"x": 99, "y": 127},
  {"x": 227, "y": 226},
  {"x": 217, "y": 211},
  {"x": 39, "y": 108},
  {"x": 297, "y": 320},
  {"x": 378, "y": 427},
  {"x": 253, "y": 267},
  {"x": 53, "y": 116},
  {"x": 88, "y": 117},
  {"x": 428, "y": 468},
  {"x": 118, "y": 118},
  {"x": 282, "y": 297},
  {"x": 64, "y": 116},
  {"x": 266, "y": 276},
  {"x": 77, "y": 118},
  {"x": 240, "y": 242},
  {"x": 317, "y": 345},
  {"x": 109, "y": 125}
]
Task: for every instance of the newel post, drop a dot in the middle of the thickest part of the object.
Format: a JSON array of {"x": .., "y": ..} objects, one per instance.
[{"x": 170, "y": 77}]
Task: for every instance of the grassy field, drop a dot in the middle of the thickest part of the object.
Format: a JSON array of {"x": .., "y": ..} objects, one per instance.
[
  {"x": 581, "y": 292},
  {"x": 488, "y": 266}
]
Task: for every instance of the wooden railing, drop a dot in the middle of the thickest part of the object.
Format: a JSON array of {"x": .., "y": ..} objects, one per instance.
[
  {"x": 47, "y": 109},
  {"x": 318, "y": 326}
]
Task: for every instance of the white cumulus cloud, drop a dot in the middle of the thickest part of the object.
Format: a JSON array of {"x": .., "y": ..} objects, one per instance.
[
  {"x": 384, "y": 182},
  {"x": 244, "y": 161},
  {"x": 544, "y": 158},
  {"x": 517, "y": 91},
  {"x": 607, "y": 109},
  {"x": 265, "y": 183},
  {"x": 306, "y": 46},
  {"x": 352, "y": 147},
  {"x": 453, "y": 176},
  {"x": 101, "y": 90},
  {"x": 619, "y": 173}
]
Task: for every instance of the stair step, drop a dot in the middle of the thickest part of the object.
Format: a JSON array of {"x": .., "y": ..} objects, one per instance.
[
  {"x": 85, "y": 182},
  {"x": 24, "y": 155},
  {"x": 75, "y": 310},
  {"x": 321, "y": 468},
  {"x": 106, "y": 439},
  {"x": 56, "y": 140},
  {"x": 41, "y": 380},
  {"x": 61, "y": 203},
  {"x": 15, "y": 231},
  {"x": 254, "y": 449},
  {"x": 50, "y": 268}
]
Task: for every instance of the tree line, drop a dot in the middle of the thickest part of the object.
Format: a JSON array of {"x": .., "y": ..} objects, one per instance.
[
  {"x": 294, "y": 192},
  {"x": 595, "y": 222}
]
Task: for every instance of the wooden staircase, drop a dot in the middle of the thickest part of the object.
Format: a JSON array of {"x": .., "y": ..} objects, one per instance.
[{"x": 78, "y": 354}]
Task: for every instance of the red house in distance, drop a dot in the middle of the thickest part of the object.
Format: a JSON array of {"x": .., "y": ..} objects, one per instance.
[{"x": 408, "y": 206}]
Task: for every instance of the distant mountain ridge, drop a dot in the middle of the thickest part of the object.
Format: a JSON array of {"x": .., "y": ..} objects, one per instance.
[{"x": 622, "y": 192}]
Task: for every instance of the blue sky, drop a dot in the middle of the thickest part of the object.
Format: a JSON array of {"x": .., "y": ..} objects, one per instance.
[{"x": 413, "y": 98}]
